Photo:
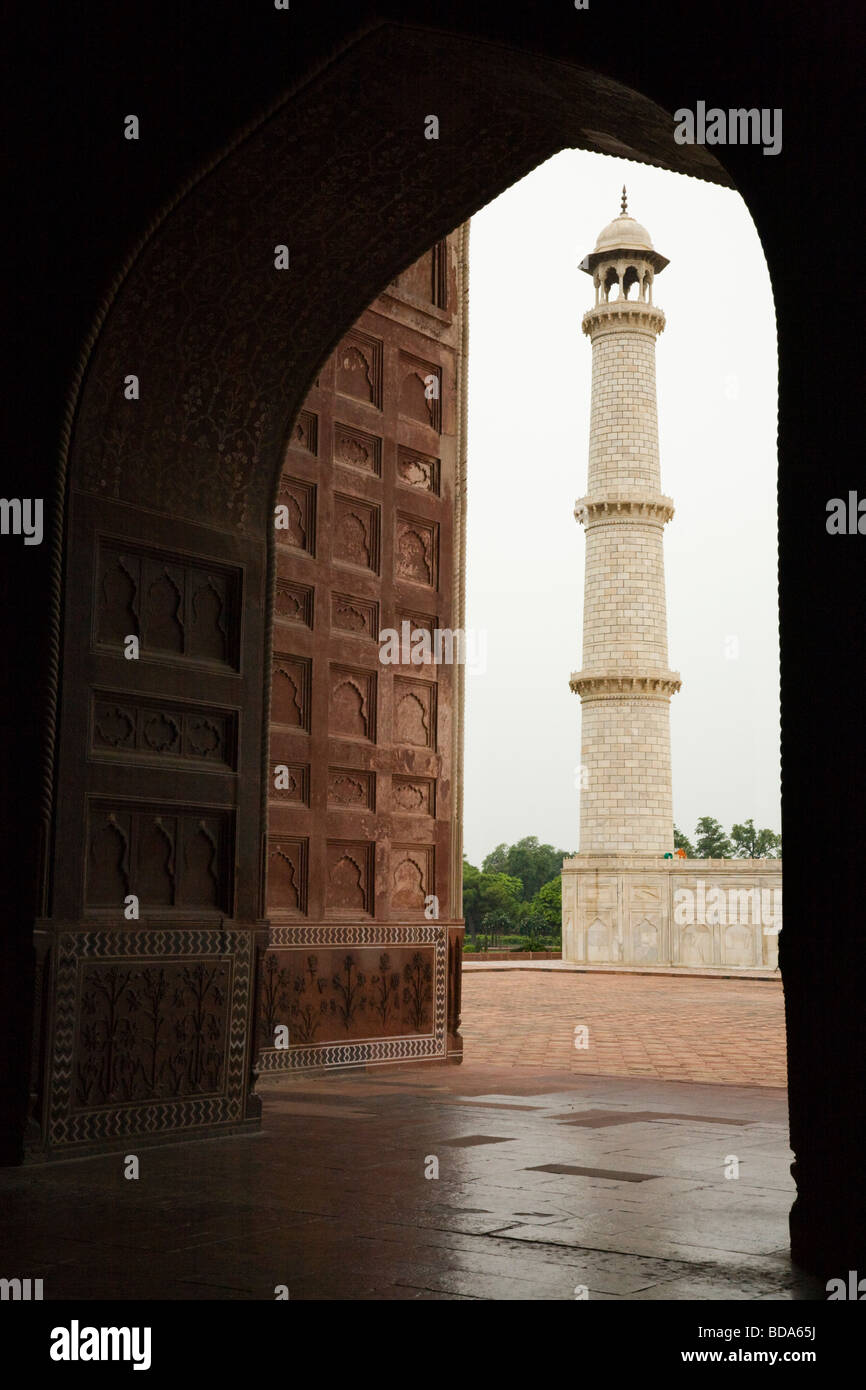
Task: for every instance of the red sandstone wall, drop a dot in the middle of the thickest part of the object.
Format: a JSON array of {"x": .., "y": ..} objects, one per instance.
[{"x": 360, "y": 831}]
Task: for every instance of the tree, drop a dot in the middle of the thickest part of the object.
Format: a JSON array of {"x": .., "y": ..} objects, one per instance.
[
  {"x": 750, "y": 843},
  {"x": 534, "y": 864},
  {"x": 547, "y": 904},
  {"x": 535, "y": 927},
  {"x": 711, "y": 841},
  {"x": 484, "y": 894},
  {"x": 497, "y": 923},
  {"x": 495, "y": 861},
  {"x": 680, "y": 842}
]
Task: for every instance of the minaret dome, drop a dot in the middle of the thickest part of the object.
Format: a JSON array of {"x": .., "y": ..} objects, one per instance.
[{"x": 624, "y": 262}]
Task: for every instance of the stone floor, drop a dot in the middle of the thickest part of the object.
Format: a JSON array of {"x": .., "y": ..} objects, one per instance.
[
  {"x": 559, "y": 1169},
  {"x": 671, "y": 1027},
  {"x": 548, "y": 1185}
]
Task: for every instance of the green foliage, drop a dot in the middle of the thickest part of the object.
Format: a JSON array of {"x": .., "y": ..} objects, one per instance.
[
  {"x": 494, "y": 896},
  {"x": 496, "y": 923},
  {"x": 750, "y": 843},
  {"x": 547, "y": 904},
  {"x": 680, "y": 842},
  {"x": 711, "y": 841},
  {"x": 540, "y": 943},
  {"x": 497, "y": 942},
  {"x": 530, "y": 862},
  {"x": 744, "y": 842},
  {"x": 518, "y": 889}
]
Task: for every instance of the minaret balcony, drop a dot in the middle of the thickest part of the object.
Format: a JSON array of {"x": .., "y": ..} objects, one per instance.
[
  {"x": 619, "y": 685},
  {"x": 647, "y": 507},
  {"x": 623, "y": 313}
]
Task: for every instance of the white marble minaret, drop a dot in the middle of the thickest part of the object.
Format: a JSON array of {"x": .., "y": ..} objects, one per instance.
[
  {"x": 626, "y": 897},
  {"x": 624, "y": 683}
]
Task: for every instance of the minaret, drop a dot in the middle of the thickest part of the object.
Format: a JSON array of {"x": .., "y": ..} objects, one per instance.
[{"x": 624, "y": 684}]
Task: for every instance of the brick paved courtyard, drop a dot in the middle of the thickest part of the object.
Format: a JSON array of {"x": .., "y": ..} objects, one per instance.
[
  {"x": 690, "y": 1029},
  {"x": 674, "y": 1028},
  {"x": 687, "y": 1029}
]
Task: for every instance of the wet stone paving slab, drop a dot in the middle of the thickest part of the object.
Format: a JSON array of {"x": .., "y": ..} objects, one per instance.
[{"x": 434, "y": 1182}]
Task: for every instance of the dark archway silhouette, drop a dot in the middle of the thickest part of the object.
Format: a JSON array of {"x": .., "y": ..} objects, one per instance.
[{"x": 225, "y": 348}]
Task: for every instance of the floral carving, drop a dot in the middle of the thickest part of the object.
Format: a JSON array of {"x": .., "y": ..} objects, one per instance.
[
  {"x": 115, "y": 726},
  {"x": 294, "y": 602},
  {"x": 409, "y": 796},
  {"x": 274, "y": 1000},
  {"x": 348, "y": 991},
  {"x": 418, "y": 989},
  {"x": 355, "y": 449},
  {"x": 161, "y": 733},
  {"x": 156, "y": 1030},
  {"x": 350, "y": 617},
  {"x": 204, "y": 737},
  {"x": 333, "y": 994},
  {"x": 347, "y": 790},
  {"x": 416, "y": 552},
  {"x": 352, "y": 451},
  {"x": 385, "y": 987},
  {"x": 351, "y": 614},
  {"x": 416, "y": 472}
]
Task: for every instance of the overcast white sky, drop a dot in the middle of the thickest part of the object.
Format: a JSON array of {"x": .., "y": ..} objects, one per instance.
[{"x": 529, "y": 392}]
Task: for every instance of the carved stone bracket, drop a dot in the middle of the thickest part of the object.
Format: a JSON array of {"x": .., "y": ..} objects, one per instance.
[
  {"x": 623, "y": 313},
  {"x": 657, "y": 685},
  {"x": 599, "y": 511}
]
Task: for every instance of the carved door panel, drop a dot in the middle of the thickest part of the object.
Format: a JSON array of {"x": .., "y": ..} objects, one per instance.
[{"x": 156, "y": 863}]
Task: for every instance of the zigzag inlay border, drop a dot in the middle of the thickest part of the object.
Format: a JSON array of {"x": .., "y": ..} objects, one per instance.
[
  {"x": 154, "y": 1117},
  {"x": 374, "y": 934},
  {"x": 352, "y": 1054},
  {"x": 369, "y": 1050}
]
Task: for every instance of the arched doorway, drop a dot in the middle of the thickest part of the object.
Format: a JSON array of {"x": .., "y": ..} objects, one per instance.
[{"x": 224, "y": 377}]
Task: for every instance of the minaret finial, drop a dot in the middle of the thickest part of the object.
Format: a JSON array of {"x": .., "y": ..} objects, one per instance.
[{"x": 624, "y": 202}]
